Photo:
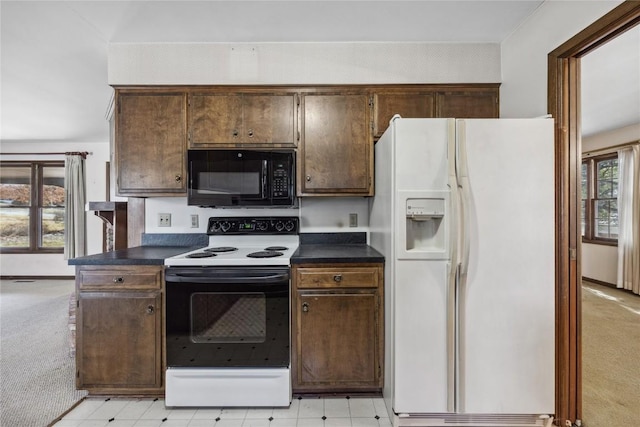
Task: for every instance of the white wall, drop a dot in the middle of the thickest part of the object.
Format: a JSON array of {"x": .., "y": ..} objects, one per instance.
[
  {"x": 523, "y": 92},
  {"x": 600, "y": 262},
  {"x": 55, "y": 264}
]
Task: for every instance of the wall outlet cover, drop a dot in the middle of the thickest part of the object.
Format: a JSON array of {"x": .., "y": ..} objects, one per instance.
[{"x": 164, "y": 220}]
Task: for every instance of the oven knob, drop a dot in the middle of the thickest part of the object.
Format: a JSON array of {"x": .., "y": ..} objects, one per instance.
[
  {"x": 262, "y": 226},
  {"x": 215, "y": 226},
  {"x": 289, "y": 225},
  {"x": 279, "y": 225},
  {"x": 225, "y": 226}
]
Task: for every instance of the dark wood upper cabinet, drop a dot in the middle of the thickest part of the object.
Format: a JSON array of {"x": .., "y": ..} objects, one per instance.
[
  {"x": 480, "y": 104},
  {"x": 407, "y": 104},
  {"x": 150, "y": 131},
  {"x": 336, "y": 148},
  {"x": 223, "y": 119}
]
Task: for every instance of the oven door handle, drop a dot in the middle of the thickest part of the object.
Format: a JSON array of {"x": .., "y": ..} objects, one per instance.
[{"x": 212, "y": 279}]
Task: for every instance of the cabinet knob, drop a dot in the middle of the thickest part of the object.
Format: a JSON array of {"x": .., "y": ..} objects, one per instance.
[
  {"x": 250, "y": 133},
  {"x": 178, "y": 178},
  {"x": 308, "y": 178},
  {"x": 235, "y": 132},
  {"x": 305, "y": 307},
  {"x": 337, "y": 278},
  {"x": 118, "y": 280},
  {"x": 150, "y": 309}
]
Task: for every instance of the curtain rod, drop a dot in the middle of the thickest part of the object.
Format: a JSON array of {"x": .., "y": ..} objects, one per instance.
[
  {"x": 84, "y": 154},
  {"x": 611, "y": 149}
]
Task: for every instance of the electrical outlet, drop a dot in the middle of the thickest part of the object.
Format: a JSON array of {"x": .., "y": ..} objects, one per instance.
[
  {"x": 353, "y": 220},
  {"x": 164, "y": 220},
  {"x": 194, "y": 221}
]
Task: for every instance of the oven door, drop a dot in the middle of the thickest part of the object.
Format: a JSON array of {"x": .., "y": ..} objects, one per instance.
[{"x": 227, "y": 317}]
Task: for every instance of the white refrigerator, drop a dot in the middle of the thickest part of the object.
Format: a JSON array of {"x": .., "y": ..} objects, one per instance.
[{"x": 464, "y": 215}]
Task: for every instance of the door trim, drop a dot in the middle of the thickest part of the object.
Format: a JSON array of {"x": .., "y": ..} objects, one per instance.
[{"x": 563, "y": 103}]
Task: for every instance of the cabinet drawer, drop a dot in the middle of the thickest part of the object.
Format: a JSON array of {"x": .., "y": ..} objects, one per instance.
[
  {"x": 337, "y": 278},
  {"x": 129, "y": 278}
]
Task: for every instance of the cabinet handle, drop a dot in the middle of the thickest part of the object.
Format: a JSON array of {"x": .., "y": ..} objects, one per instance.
[
  {"x": 250, "y": 133},
  {"x": 178, "y": 178},
  {"x": 337, "y": 278},
  {"x": 305, "y": 307},
  {"x": 118, "y": 280},
  {"x": 308, "y": 178},
  {"x": 150, "y": 309}
]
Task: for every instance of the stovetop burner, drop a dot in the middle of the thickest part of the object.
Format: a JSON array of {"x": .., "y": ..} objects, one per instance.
[
  {"x": 221, "y": 249},
  {"x": 201, "y": 255},
  {"x": 264, "y": 254},
  {"x": 276, "y": 248}
]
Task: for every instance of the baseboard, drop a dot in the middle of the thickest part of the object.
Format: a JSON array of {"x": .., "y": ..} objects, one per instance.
[
  {"x": 37, "y": 277},
  {"x": 599, "y": 282}
]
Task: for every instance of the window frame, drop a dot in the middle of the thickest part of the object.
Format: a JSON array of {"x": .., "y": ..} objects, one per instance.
[
  {"x": 35, "y": 206},
  {"x": 591, "y": 199}
]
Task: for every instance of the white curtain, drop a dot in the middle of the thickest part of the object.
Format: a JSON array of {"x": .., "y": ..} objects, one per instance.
[
  {"x": 629, "y": 217},
  {"x": 75, "y": 229}
]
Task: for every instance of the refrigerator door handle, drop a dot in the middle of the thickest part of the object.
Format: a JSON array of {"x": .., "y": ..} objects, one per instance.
[{"x": 462, "y": 171}]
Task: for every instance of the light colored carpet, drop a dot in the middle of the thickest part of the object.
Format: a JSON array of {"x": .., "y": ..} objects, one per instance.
[
  {"x": 37, "y": 371},
  {"x": 610, "y": 357}
]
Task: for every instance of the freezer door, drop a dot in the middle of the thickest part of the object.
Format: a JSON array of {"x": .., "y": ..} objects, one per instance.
[
  {"x": 422, "y": 361},
  {"x": 507, "y": 288}
]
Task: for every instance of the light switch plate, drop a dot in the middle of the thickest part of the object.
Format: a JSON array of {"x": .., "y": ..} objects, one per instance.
[
  {"x": 194, "y": 221},
  {"x": 353, "y": 220}
]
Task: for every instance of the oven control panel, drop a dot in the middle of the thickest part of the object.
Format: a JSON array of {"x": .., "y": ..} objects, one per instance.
[{"x": 251, "y": 225}]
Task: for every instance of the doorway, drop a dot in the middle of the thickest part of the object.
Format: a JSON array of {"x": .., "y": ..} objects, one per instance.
[{"x": 563, "y": 102}]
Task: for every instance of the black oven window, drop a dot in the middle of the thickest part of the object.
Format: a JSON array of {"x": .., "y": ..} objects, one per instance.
[{"x": 228, "y": 317}]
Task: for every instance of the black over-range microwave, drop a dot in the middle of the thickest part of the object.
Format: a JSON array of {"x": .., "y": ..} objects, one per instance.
[{"x": 242, "y": 178}]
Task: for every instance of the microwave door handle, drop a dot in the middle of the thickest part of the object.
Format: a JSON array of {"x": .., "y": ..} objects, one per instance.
[{"x": 265, "y": 168}]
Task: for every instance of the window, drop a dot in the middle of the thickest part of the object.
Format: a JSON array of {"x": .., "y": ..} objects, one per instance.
[
  {"x": 32, "y": 207},
  {"x": 600, "y": 199}
]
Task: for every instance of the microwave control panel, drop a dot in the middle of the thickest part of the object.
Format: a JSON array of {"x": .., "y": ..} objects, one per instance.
[{"x": 280, "y": 181}]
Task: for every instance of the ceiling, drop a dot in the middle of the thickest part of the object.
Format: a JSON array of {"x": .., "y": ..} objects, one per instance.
[{"x": 54, "y": 53}]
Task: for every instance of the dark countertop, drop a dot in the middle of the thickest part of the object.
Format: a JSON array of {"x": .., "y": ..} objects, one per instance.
[
  {"x": 140, "y": 255},
  {"x": 335, "y": 253}
]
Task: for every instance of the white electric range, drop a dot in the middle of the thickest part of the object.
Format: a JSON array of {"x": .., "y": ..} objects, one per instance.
[{"x": 228, "y": 316}]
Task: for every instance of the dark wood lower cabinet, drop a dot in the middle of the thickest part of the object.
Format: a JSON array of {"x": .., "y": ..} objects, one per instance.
[
  {"x": 119, "y": 330},
  {"x": 337, "y": 333}
]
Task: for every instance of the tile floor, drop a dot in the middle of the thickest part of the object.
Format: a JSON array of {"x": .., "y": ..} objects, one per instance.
[{"x": 306, "y": 412}]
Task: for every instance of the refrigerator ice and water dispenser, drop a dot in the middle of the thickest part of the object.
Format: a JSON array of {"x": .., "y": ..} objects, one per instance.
[{"x": 425, "y": 225}]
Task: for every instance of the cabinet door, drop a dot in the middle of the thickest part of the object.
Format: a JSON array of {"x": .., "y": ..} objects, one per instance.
[
  {"x": 407, "y": 104},
  {"x": 218, "y": 119},
  {"x": 337, "y": 341},
  {"x": 119, "y": 340},
  {"x": 336, "y": 148},
  {"x": 468, "y": 104},
  {"x": 150, "y": 131},
  {"x": 214, "y": 119},
  {"x": 270, "y": 119}
]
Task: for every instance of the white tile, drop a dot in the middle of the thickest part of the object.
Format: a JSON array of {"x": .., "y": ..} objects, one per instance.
[
  {"x": 175, "y": 423},
  {"x": 207, "y": 413},
  {"x": 380, "y": 407},
  {"x": 254, "y": 422},
  {"x": 337, "y": 422},
  {"x": 284, "y": 422},
  {"x": 310, "y": 422},
  {"x": 229, "y": 423},
  {"x": 109, "y": 409},
  {"x": 290, "y": 412},
  {"x": 361, "y": 407},
  {"x": 148, "y": 423},
  {"x": 181, "y": 413},
  {"x": 384, "y": 422},
  {"x": 311, "y": 408},
  {"x": 93, "y": 423},
  {"x": 233, "y": 413},
  {"x": 259, "y": 413},
  {"x": 70, "y": 423},
  {"x": 202, "y": 422},
  {"x": 336, "y": 408},
  {"x": 134, "y": 409},
  {"x": 364, "y": 422},
  {"x": 157, "y": 410},
  {"x": 122, "y": 423}
]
